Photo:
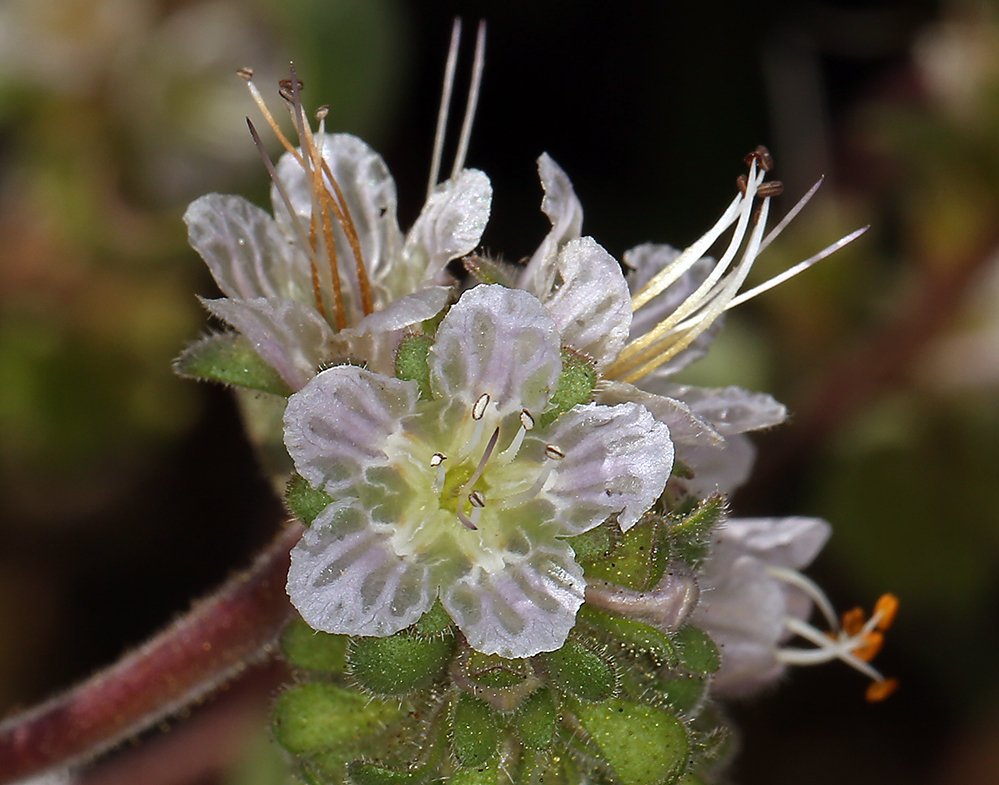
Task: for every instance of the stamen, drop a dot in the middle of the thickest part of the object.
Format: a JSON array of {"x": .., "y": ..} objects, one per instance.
[
  {"x": 877, "y": 691},
  {"x": 852, "y": 621},
  {"x": 526, "y": 424},
  {"x": 552, "y": 456},
  {"x": 791, "y": 214},
  {"x": 828, "y": 649},
  {"x": 810, "y": 587},
  {"x": 437, "y": 461},
  {"x": 468, "y": 524},
  {"x": 490, "y": 446},
  {"x": 479, "y": 407},
  {"x": 478, "y": 63},
  {"x": 526, "y": 420},
  {"x": 885, "y": 610},
  {"x": 553, "y": 452},
  {"x": 761, "y": 155},
  {"x": 771, "y": 188},
  {"x": 445, "y": 107},
  {"x": 477, "y": 499},
  {"x": 247, "y": 74},
  {"x": 872, "y": 644}
]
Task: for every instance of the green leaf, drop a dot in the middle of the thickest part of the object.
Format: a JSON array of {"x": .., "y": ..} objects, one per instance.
[
  {"x": 319, "y": 651},
  {"x": 304, "y": 501},
  {"x": 644, "y": 745},
  {"x": 475, "y": 731},
  {"x": 316, "y": 716},
  {"x": 230, "y": 359},
  {"x": 578, "y": 671},
  {"x": 697, "y": 651},
  {"x": 400, "y": 663},
  {"x": 411, "y": 363}
]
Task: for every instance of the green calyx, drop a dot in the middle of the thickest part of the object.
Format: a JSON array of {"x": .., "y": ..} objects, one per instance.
[
  {"x": 411, "y": 361},
  {"x": 304, "y": 501},
  {"x": 399, "y": 664},
  {"x": 575, "y": 386},
  {"x": 228, "y": 358}
]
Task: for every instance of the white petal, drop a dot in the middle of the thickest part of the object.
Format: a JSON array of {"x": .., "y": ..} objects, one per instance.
[
  {"x": 525, "y": 608},
  {"x": 346, "y": 579},
  {"x": 369, "y": 191},
  {"x": 591, "y": 304},
  {"x": 245, "y": 252},
  {"x": 290, "y": 336},
  {"x": 337, "y": 426},
  {"x": 498, "y": 341},
  {"x": 685, "y": 427},
  {"x": 740, "y": 601},
  {"x": 403, "y": 312},
  {"x": 781, "y": 542},
  {"x": 730, "y": 410},
  {"x": 450, "y": 225},
  {"x": 565, "y": 212},
  {"x": 720, "y": 468},
  {"x": 617, "y": 460}
]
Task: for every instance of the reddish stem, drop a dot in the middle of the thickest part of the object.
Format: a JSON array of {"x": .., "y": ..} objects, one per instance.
[{"x": 220, "y": 636}]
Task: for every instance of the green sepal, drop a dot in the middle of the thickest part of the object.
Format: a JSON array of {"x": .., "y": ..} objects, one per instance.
[
  {"x": 318, "y": 716},
  {"x": 581, "y": 672},
  {"x": 644, "y": 745},
  {"x": 536, "y": 720},
  {"x": 476, "y": 775},
  {"x": 691, "y": 535},
  {"x": 399, "y": 664},
  {"x": 494, "y": 672},
  {"x": 474, "y": 731},
  {"x": 697, "y": 652},
  {"x": 596, "y": 543},
  {"x": 304, "y": 501},
  {"x": 632, "y": 633},
  {"x": 683, "y": 694},
  {"x": 367, "y": 773},
  {"x": 434, "y": 622},
  {"x": 575, "y": 385},
  {"x": 307, "y": 648},
  {"x": 486, "y": 270},
  {"x": 228, "y": 358},
  {"x": 639, "y": 560},
  {"x": 412, "y": 361}
]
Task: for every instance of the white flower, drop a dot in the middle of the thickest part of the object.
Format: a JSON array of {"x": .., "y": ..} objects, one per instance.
[
  {"x": 331, "y": 277},
  {"x": 754, "y": 600},
  {"x": 642, "y": 329},
  {"x": 465, "y": 495}
]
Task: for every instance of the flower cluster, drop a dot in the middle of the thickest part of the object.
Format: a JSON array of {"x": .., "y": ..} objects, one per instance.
[{"x": 460, "y": 434}]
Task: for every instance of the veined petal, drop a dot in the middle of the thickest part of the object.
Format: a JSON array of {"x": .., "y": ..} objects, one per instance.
[
  {"x": 720, "y": 468},
  {"x": 497, "y": 341},
  {"x": 403, "y": 312},
  {"x": 345, "y": 577},
  {"x": 730, "y": 410},
  {"x": 289, "y": 335},
  {"x": 450, "y": 225},
  {"x": 564, "y": 210},
  {"x": 591, "y": 304},
  {"x": 527, "y": 607},
  {"x": 337, "y": 426},
  {"x": 685, "y": 426},
  {"x": 368, "y": 189},
  {"x": 617, "y": 461},
  {"x": 246, "y": 254}
]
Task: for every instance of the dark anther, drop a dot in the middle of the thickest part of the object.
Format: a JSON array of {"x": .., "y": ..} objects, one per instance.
[
  {"x": 245, "y": 73},
  {"x": 772, "y": 188},
  {"x": 742, "y": 182},
  {"x": 762, "y": 157},
  {"x": 286, "y": 89}
]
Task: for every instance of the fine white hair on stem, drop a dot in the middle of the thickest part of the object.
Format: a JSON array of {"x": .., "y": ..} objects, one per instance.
[
  {"x": 478, "y": 63},
  {"x": 442, "y": 112}
]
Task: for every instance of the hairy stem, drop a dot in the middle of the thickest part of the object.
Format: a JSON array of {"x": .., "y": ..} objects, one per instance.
[{"x": 220, "y": 636}]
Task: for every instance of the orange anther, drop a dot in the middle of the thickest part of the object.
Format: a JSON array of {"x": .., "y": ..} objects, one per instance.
[
  {"x": 886, "y": 609},
  {"x": 879, "y": 690},
  {"x": 872, "y": 644},
  {"x": 853, "y": 621}
]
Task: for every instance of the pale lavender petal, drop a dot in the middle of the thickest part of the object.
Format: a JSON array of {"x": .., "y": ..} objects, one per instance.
[
  {"x": 337, "y": 426},
  {"x": 720, "y": 468},
  {"x": 782, "y": 542},
  {"x": 450, "y": 225},
  {"x": 290, "y": 336},
  {"x": 685, "y": 427},
  {"x": 527, "y": 607},
  {"x": 497, "y": 341},
  {"x": 565, "y": 212},
  {"x": 404, "y": 311},
  {"x": 591, "y": 304},
  {"x": 730, "y": 410},
  {"x": 617, "y": 461},
  {"x": 369, "y": 191},
  {"x": 346, "y": 579},
  {"x": 245, "y": 252}
]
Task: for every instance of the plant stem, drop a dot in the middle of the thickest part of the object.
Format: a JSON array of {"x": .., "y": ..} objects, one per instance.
[{"x": 218, "y": 638}]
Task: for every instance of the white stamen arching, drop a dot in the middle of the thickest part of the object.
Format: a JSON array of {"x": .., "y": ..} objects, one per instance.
[
  {"x": 811, "y": 588},
  {"x": 841, "y": 647},
  {"x": 552, "y": 456},
  {"x": 445, "y": 107},
  {"x": 791, "y": 214},
  {"x": 526, "y": 424},
  {"x": 478, "y": 63}
]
